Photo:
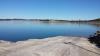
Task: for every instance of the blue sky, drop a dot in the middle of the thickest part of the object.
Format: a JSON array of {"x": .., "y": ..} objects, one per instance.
[{"x": 55, "y": 9}]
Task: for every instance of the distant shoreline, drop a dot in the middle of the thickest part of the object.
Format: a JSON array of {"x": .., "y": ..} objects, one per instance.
[{"x": 95, "y": 20}]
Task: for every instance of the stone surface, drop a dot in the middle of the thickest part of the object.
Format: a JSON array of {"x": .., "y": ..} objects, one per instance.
[{"x": 52, "y": 46}]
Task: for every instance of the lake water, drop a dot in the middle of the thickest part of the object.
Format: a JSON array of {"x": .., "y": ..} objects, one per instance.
[{"x": 23, "y": 30}]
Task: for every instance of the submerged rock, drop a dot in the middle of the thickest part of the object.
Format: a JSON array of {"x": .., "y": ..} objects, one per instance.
[{"x": 53, "y": 46}]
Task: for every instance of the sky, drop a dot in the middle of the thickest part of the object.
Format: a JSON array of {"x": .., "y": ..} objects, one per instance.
[{"x": 50, "y": 9}]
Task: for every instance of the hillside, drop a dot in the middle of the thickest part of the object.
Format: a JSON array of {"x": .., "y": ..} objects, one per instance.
[{"x": 98, "y": 19}]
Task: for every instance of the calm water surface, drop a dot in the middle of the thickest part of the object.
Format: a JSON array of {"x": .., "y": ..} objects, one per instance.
[{"x": 23, "y": 30}]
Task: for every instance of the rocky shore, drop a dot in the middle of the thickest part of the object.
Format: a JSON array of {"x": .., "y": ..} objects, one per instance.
[{"x": 52, "y": 46}]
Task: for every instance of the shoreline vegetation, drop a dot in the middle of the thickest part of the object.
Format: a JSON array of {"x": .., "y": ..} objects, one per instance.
[{"x": 94, "y": 20}]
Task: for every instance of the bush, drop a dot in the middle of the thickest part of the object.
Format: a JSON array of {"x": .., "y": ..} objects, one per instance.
[{"x": 95, "y": 39}]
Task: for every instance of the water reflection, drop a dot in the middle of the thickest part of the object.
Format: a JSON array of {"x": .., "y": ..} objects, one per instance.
[{"x": 22, "y": 30}]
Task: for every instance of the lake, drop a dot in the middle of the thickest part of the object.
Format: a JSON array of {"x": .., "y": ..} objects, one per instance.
[{"x": 23, "y": 30}]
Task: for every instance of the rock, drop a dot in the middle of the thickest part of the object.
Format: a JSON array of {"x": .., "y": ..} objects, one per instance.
[{"x": 52, "y": 46}]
